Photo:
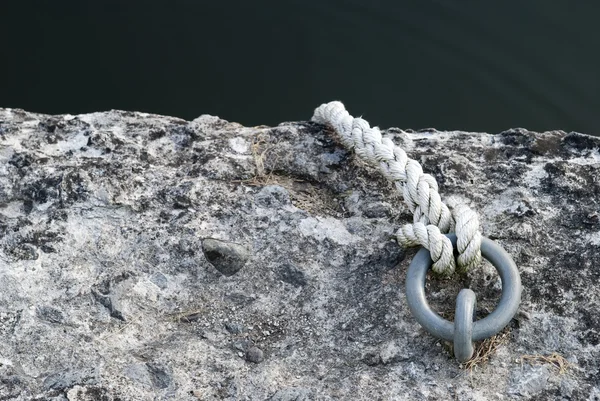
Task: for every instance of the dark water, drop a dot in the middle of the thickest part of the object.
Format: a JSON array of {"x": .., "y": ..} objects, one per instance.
[{"x": 471, "y": 65}]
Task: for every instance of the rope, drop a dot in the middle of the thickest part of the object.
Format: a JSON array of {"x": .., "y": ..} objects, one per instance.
[{"x": 431, "y": 217}]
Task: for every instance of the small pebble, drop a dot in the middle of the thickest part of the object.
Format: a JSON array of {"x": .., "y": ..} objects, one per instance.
[
  {"x": 234, "y": 328},
  {"x": 227, "y": 257},
  {"x": 255, "y": 355}
]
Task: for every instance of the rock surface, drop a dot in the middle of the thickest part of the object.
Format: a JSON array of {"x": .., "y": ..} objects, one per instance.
[{"x": 107, "y": 293}]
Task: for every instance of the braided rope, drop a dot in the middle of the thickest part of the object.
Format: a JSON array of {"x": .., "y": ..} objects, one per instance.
[{"x": 431, "y": 217}]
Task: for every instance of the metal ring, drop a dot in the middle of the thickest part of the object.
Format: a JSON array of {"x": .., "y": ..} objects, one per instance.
[
  {"x": 463, "y": 325},
  {"x": 484, "y": 328}
]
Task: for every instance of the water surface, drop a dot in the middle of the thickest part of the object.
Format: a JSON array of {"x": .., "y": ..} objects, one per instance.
[{"x": 470, "y": 65}]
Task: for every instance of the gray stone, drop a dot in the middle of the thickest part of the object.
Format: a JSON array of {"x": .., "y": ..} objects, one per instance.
[
  {"x": 293, "y": 275},
  {"x": 529, "y": 381},
  {"x": 227, "y": 257},
  {"x": 67, "y": 379},
  {"x": 234, "y": 328},
  {"x": 107, "y": 290},
  {"x": 49, "y": 314},
  {"x": 147, "y": 375},
  {"x": 255, "y": 355},
  {"x": 160, "y": 280}
]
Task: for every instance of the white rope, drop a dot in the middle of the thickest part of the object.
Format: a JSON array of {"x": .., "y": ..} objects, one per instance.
[{"x": 430, "y": 215}]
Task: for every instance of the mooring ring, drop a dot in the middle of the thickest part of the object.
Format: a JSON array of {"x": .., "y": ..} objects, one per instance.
[
  {"x": 463, "y": 325},
  {"x": 484, "y": 328}
]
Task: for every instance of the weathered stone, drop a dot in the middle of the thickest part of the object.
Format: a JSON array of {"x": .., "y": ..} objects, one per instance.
[
  {"x": 226, "y": 257},
  {"x": 255, "y": 355},
  {"x": 67, "y": 379},
  {"x": 293, "y": 275},
  {"x": 234, "y": 328},
  {"x": 108, "y": 292}
]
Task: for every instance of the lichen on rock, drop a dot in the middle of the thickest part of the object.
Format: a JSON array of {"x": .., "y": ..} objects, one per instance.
[{"x": 144, "y": 256}]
